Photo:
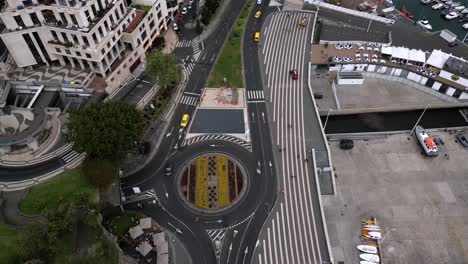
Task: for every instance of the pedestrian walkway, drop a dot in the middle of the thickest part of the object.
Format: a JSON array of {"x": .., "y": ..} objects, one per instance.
[
  {"x": 184, "y": 43},
  {"x": 189, "y": 67},
  {"x": 235, "y": 140},
  {"x": 197, "y": 47},
  {"x": 255, "y": 95},
  {"x": 189, "y": 100},
  {"x": 70, "y": 156}
]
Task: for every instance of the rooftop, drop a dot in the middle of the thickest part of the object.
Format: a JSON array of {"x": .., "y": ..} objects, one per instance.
[
  {"x": 139, "y": 16},
  {"x": 457, "y": 66},
  {"x": 330, "y": 32}
]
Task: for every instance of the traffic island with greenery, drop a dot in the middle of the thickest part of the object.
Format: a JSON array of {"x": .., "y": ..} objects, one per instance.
[
  {"x": 162, "y": 68},
  {"x": 229, "y": 62}
]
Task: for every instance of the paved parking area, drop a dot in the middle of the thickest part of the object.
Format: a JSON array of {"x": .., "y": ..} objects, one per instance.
[{"x": 420, "y": 201}]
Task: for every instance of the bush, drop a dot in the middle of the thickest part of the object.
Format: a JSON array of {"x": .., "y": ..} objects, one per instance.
[{"x": 346, "y": 144}]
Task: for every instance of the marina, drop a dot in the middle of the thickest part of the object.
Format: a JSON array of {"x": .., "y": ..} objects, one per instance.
[{"x": 451, "y": 15}]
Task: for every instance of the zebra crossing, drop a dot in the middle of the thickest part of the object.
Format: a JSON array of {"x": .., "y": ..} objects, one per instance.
[
  {"x": 256, "y": 96},
  {"x": 189, "y": 67},
  {"x": 235, "y": 140},
  {"x": 70, "y": 156},
  {"x": 197, "y": 47},
  {"x": 189, "y": 100},
  {"x": 184, "y": 44}
]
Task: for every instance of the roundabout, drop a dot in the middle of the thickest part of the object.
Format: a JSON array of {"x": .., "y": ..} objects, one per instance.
[{"x": 212, "y": 182}]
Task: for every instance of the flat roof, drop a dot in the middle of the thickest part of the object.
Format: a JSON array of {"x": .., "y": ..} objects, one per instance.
[{"x": 457, "y": 66}]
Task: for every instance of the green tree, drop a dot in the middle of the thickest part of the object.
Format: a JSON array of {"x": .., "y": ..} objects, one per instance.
[
  {"x": 34, "y": 243},
  {"x": 105, "y": 130},
  {"x": 100, "y": 173},
  {"x": 163, "y": 67}
]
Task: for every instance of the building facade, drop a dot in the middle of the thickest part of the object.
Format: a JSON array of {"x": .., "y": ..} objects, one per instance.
[{"x": 108, "y": 37}]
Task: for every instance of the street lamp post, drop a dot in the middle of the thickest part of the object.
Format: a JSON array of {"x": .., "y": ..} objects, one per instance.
[{"x": 419, "y": 119}]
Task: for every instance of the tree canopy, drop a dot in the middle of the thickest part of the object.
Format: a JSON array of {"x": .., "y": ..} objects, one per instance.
[
  {"x": 105, "y": 130},
  {"x": 163, "y": 67}
]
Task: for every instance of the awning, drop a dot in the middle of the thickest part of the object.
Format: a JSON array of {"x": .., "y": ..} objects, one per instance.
[
  {"x": 417, "y": 55},
  {"x": 387, "y": 50},
  {"x": 144, "y": 248},
  {"x": 438, "y": 59}
]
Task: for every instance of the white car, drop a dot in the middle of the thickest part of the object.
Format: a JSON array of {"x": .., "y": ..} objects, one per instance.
[
  {"x": 189, "y": 6},
  {"x": 348, "y": 46},
  {"x": 337, "y": 59},
  {"x": 175, "y": 27},
  {"x": 184, "y": 11},
  {"x": 338, "y": 46},
  {"x": 190, "y": 2},
  {"x": 259, "y": 2}
]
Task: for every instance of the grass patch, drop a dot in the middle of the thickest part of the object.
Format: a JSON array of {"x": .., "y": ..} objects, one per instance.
[
  {"x": 229, "y": 63},
  {"x": 120, "y": 225},
  {"x": 69, "y": 187},
  {"x": 8, "y": 244}
]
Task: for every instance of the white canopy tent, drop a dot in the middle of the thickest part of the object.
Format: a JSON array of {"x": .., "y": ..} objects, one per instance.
[{"x": 438, "y": 59}]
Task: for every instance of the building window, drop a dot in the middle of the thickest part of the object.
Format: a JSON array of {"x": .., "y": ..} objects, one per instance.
[
  {"x": 102, "y": 51},
  {"x": 94, "y": 38},
  {"x": 86, "y": 13},
  {"x": 19, "y": 21},
  {"x": 63, "y": 18},
  {"x": 159, "y": 15},
  {"x": 88, "y": 55},
  {"x": 144, "y": 35},
  {"x": 35, "y": 19},
  {"x": 113, "y": 38},
  {"x": 122, "y": 8},
  {"x": 151, "y": 25},
  {"x": 64, "y": 36},
  {"x": 68, "y": 51},
  {"x": 54, "y": 34},
  {"x": 75, "y": 39},
  {"x": 85, "y": 40},
  {"x": 58, "y": 50},
  {"x": 78, "y": 53},
  {"x": 108, "y": 44},
  {"x": 73, "y": 18}
]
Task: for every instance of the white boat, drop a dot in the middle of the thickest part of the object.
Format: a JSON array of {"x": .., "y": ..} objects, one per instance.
[
  {"x": 367, "y": 249},
  {"x": 426, "y": 142},
  {"x": 372, "y": 227},
  {"x": 374, "y": 235},
  {"x": 464, "y": 11},
  {"x": 426, "y": 1},
  {"x": 449, "y": 2},
  {"x": 459, "y": 8},
  {"x": 437, "y": 6},
  {"x": 424, "y": 24},
  {"x": 465, "y": 26},
  {"x": 370, "y": 257},
  {"x": 455, "y": 4},
  {"x": 451, "y": 15}
]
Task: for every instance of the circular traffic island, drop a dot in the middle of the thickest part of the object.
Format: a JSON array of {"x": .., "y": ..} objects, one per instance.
[{"x": 212, "y": 182}]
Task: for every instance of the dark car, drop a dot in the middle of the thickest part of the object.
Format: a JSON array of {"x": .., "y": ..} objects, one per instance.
[
  {"x": 294, "y": 74},
  {"x": 168, "y": 169},
  {"x": 463, "y": 140},
  {"x": 453, "y": 44}
]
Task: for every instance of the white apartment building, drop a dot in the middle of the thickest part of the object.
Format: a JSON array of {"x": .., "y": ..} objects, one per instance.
[{"x": 108, "y": 37}]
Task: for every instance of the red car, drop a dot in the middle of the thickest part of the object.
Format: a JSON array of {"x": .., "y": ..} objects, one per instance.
[
  {"x": 294, "y": 74},
  {"x": 406, "y": 13}
]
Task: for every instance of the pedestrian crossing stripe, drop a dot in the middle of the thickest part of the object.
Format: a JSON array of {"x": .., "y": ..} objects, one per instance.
[
  {"x": 256, "y": 95},
  {"x": 189, "y": 100},
  {"x": 184, "y": 43},
  {"x": 189, "y": 67},
  {"x": 232, "y": 139},
  {"x": 196, "y": 48},
  {"x": 70, "y": 156}
]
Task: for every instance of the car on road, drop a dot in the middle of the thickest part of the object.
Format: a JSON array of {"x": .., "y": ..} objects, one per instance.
[
  {"x": 189, "y": 6},
  {"x": 190, "y": 2},
  {"x": 257, "y": 37},
  {"x": 463, "y": 140},
  {"x": 258, "y": 14},
  {"x": 185, "y": 120},
  {"x": 175, "y": 27},
  {"x": 259, "y": 2},
  {"x": 184, "y": 11},
  {"x": 294, "y": 75},
  {"x": 168, "y": 169},
  {"x": 453, "y": 44}
]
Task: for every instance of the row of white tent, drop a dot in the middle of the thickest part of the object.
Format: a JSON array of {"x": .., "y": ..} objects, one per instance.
[{"x": 437, "y": 58}]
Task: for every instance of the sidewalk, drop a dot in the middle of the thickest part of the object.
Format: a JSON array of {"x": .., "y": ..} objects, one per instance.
[{"x": 171, "y": 40}]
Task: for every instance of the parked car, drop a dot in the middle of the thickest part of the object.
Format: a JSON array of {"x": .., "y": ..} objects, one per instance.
[
  {"x": 259, "y": 2},
  {"x": 184, "y": 11},
  {"x": 463, "y": 140},
  {"x": 175, "y": 27}
]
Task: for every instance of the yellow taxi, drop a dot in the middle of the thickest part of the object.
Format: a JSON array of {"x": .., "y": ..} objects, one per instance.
[
  {"x": 257, "y": 36},
  {"x": 258, "y": 14},
  {"x": 185, "y": 119}
]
